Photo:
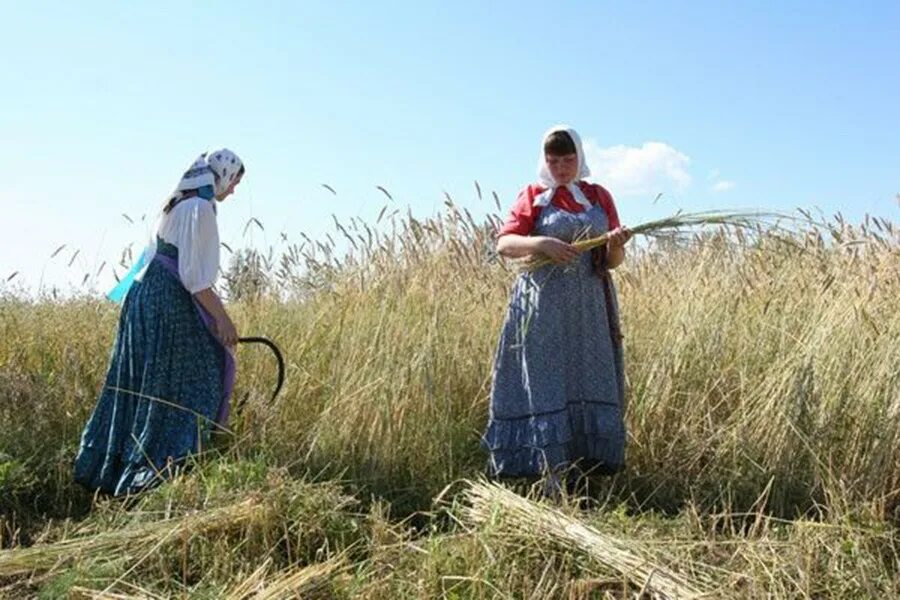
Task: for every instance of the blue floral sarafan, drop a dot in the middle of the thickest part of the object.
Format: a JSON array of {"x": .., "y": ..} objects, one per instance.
[
  {"x": 558, "y": 388},
  {"x": 163, "y": 389}
]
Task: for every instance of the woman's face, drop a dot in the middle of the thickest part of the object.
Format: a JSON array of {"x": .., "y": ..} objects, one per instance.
[
  {"x": 230, "y": 189},
  {"x": 564, "y": 169}
]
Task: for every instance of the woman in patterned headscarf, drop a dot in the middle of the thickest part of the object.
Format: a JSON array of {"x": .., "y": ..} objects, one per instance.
[
  {"x": 558, "y": 384},
  {"x": 171, "y": 371}
]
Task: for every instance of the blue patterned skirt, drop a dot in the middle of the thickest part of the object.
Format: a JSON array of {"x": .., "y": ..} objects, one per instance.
[{"x": 163, "y": 389}]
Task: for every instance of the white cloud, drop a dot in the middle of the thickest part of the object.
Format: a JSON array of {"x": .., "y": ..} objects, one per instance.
[
  {"x": 717, "y": 184},
  {"x": 722, "y": 186},
  {"x": 647, "y": 170}
]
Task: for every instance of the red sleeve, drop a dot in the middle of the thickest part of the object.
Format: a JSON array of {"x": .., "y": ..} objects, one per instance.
[
  {"x": 599, "y": 194},
  {"x": 523, "y": 214}
]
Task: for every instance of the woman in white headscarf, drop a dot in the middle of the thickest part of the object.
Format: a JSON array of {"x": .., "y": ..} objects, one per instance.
[
  {"x": 171, "y": 371},
  {"x": 558, "y": 384}
]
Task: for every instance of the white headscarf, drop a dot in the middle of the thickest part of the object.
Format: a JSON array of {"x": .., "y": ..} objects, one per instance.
[
  {"x": 546, "y": 179},
  {"x": 226, "y": 165},
  {"x": 218, "y": 169}
]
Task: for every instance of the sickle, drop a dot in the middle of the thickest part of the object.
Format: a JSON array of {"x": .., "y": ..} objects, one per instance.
[{"x": 278, "y": 357}]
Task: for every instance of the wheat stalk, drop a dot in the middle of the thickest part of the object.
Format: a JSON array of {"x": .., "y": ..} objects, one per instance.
[{"x": 676, "y": 222}]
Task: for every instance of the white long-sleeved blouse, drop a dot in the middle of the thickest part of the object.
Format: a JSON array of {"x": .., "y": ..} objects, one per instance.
[{"x": 191, "y": 227}]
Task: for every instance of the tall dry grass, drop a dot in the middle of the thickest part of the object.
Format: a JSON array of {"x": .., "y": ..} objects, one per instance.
[{"x": 762, "y": 381}]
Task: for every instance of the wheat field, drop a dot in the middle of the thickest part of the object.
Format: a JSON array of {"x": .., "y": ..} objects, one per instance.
[{"x": 763, "y": 416}]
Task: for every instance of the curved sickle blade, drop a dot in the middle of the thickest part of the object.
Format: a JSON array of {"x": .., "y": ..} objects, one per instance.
[{"x": 271, "y": 345}]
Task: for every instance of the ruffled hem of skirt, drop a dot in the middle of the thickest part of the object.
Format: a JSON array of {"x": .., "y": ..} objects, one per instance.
[{"x": 583, "y": 433}]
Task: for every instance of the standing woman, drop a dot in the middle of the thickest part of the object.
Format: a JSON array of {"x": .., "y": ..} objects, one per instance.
[
  {"x": 171, "y": 371},
  {"x": 558, "y": 384}
]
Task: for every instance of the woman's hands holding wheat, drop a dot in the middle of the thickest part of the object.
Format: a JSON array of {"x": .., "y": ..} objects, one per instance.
[
  {"x": 557, "y": 250},
  {"x": 619, "y": 236}
]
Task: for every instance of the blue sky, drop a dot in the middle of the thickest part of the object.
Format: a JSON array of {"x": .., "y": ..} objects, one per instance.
[{"x": 767, "y": 105}]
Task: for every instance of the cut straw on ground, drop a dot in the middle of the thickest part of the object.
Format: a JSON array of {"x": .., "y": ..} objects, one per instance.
[
  {"x": 131, "y": 541},
  {"x": 292, "y": 583},
  {"x": 492, "y": 503}
]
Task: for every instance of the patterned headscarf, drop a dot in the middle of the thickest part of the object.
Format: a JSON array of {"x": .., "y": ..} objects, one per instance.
[
  {"x": 546, "y": 179},
  {"x": 211, "y": 174},
  {"x": 226, "y": 165},
  {"x": 217, "y": 169}
]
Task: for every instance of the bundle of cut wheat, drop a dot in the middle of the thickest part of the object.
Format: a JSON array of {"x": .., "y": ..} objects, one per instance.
[
  {"x": 668, "y": 226},
  {"x": 495, "y": 504}
]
